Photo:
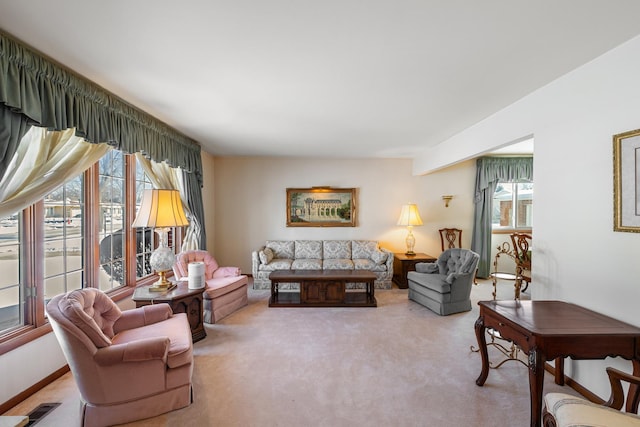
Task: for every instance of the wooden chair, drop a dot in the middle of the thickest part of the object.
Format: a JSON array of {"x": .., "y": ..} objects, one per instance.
[
  {"x": 450, "y": 238},
  {"x": 522, "y": 254},
  {"x": 565, "y": 410}
]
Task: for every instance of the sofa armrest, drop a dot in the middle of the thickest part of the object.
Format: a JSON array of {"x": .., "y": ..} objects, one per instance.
[
  {"x": 155, "y": 348},
  {"x": 255, "y": 261},
  {"x": 427, "y": 267},
  {"x": 142, "y": 316},
  {"x": 389, "y": 261}
]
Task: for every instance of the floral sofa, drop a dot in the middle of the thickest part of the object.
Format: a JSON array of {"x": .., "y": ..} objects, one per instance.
[{"x": 322, "y": 255}]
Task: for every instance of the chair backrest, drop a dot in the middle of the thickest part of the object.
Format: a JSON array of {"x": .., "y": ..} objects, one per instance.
[
  {"x": 458, "y": 260},
  {"x": 181, "y": 266},
  {"x": 450, "y": 238},
  {"x": 522, "y": 248},
  {"x": 82, "y": 321}
]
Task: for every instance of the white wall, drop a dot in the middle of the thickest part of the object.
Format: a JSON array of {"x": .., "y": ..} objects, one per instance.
[
  {"x": 576, "y": 257},
  {"x": 251, "y": 201}
]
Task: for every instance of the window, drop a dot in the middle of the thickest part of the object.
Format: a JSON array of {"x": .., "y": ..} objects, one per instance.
[
  {"x": 77, "y": 236},
  {"x": 513, "y": 206}
]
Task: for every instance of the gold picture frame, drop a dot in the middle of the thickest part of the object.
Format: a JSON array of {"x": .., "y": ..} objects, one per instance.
[
  {"x": 321, "y": 207},
  {"x": 626, "y": 181}
]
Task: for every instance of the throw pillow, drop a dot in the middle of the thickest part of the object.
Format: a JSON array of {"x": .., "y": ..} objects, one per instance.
[
  {"x": 378, "y": 256},
  {"x": 266, "y": 255}
]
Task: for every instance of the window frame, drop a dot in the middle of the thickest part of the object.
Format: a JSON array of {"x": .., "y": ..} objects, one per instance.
[
  {"x": 514, "y": 214},
  {"x": 32, "y": 275}
]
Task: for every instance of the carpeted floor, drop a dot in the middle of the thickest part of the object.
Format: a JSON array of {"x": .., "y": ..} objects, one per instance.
[{"x": 395, "y": 365}]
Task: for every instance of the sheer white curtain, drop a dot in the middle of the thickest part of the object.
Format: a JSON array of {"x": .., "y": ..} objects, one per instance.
[
  {"x": 43, "y": 161},
  {"x": 163, "y": 176}
]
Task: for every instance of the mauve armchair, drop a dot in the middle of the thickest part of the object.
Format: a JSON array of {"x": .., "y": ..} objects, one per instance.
[
  {"x": 225, "y": 287},
  {"x": 128, "y": 365}
]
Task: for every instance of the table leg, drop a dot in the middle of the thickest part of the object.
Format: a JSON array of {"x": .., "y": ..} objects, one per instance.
[
  {"x": 536, "y": 383},
  {"x": 559, "y": 371},
  {"x": 482, "y": 347}
]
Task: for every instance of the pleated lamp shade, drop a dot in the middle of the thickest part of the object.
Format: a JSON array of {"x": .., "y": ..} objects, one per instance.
[{"x": 159, "y": 209}]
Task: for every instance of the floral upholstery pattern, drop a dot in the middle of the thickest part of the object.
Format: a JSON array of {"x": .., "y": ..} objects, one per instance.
[
  {"x": 281, "y": 248},
  {"x": 362, "y": 249},
  {"x": 321, "y": 254},
  {"x": 308, "y": 249},
  {"x": 337, "y": 249}
]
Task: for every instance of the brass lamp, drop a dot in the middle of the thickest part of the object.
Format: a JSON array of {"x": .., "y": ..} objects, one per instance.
[
  {"x": 161, "y": 210},
  {"x": 410, "y": 217}
]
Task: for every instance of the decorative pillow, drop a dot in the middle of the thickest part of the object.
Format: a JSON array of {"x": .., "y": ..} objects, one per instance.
[
  {"x": 378, "y": 256},
  {"x": 266, "y": 255}
]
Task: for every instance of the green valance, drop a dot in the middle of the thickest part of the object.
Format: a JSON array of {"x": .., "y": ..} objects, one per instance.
[{"x": 48, "y": 95}]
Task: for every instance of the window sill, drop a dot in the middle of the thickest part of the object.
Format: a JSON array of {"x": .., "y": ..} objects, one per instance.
[{"x": 511, "y": 230}]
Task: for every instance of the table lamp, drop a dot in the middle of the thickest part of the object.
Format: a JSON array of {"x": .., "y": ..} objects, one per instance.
[
  {"x": 161, "y": 210},
  {"x": 409, "y": 217}
]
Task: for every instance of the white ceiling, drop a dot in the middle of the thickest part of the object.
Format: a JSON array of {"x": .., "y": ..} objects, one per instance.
[{"x": 331, "y": 78}]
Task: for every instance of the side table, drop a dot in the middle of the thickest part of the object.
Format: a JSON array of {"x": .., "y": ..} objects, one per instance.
[
  {"x": 181, "y": 299},
  {"x": 403, "y": 263}
]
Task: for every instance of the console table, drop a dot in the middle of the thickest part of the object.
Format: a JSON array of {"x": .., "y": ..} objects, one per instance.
[
  {"x": 547, "y": 330},
  {"x": 181, "y": 299},
  {"x": 323, "y": 288}
]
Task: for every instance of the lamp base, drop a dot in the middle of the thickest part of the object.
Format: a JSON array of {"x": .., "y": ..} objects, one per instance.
[
  {"x": 162, "y": 284},
  {"x": 410, "y": 253}
]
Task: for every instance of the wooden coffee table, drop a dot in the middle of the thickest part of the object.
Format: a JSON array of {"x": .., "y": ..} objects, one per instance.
[
  {"x": 323, "y": 288},
  {"x": 181, "y": 299}
]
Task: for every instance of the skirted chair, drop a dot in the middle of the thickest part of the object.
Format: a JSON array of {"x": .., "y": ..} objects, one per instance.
[
  {"x": 225, "y": 287},
  {"x": 444, "y": 286},
  {"x": 128, "y": 365}
]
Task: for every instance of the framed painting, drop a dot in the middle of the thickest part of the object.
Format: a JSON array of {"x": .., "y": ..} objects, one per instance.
[
  {"x": 626, "y": 181},
  {"x": 321, "y": 207}
]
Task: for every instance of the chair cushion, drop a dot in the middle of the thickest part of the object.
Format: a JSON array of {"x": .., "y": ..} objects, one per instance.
[
  {"x": 306, "y": 264},
  {"x": 277, "y": 264},
  {"x": 337, "y": 264},
  {"x": 574, "y": 411},
  {"x": 435, "y": 282},
  {"x": 223, "y": 285},
  {"x": 93, "y": 312},
  {"x": 175, "y": 328}
]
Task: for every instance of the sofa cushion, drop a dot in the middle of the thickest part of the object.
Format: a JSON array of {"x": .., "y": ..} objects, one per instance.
[
  {"x": 378, "y": 256},
  {"x": 362, "y": 249},
  {"x": 336, "y": 249},
  {"x": 308, "y": 249},
  {"x": 277, "y": 264},
  {"x": 338, "y": 264},
  {"x": 281, "y": 248},
  {"x": 306, "y": 264},
  {"x": 367, "y": 264}
]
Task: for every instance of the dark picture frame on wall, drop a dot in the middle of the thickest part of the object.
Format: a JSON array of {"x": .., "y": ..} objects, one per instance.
[
  {"x": 321, "y": 207},
  {"x": 626, "y": 181}
]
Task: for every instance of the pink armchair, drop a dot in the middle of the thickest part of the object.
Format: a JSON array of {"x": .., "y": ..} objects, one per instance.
[
  {"x": 128, "y": 365},
  {"x": 225, "y": 287}
]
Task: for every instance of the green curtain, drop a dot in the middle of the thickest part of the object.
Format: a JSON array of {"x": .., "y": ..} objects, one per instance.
[
  {"x": 13, "y": 126},
  {"x": 45, "y": 94},
  {"x": 489, "y": 172},
  {"x": 195, "y": 204}
]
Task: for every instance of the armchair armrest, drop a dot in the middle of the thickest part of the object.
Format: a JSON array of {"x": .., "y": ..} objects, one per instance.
[
  {"x": 142, "y": 316},
  {"x": 227, "y": 272},
  {"x": 427, "y": 267},
  {"x": 155, "y": 348},
  {"x": 616, "y": 400}
]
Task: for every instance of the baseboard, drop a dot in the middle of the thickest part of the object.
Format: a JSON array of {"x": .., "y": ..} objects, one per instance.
[
  {"x": 585, "y": 392},
  {"x": 33, "y": 389}
]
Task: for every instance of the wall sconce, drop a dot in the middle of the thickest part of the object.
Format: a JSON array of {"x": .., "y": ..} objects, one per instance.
[{"x": 447, "y": 199}]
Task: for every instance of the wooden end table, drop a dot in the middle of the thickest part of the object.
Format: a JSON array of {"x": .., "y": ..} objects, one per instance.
[
  {"x": 181, "y": 299},
  {"x": 403, "y": 263}
]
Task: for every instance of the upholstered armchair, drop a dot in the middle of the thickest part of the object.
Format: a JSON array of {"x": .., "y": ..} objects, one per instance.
[
  {"x": 444, "y": 286},
  {"x": 225, "y": 287},
  {"x": 128, "y": 365}
]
